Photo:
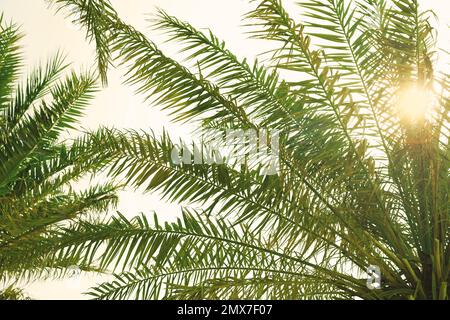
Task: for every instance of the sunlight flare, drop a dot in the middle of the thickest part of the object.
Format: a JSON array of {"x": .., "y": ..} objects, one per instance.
[{"x": 414, "y": 103}]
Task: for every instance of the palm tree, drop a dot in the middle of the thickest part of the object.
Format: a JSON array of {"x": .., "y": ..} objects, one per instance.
[
  {"x": 363, "y": 160},
  {"x": 37, "y": 168}
]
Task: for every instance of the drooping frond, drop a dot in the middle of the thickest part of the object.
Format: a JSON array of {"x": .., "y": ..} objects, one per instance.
[
  {"x": 193, "y": 251},
  {"x": 88, "y": 14}
]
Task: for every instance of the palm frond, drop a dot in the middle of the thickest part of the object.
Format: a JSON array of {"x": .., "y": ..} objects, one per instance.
[{"x": 10, "y": 61}]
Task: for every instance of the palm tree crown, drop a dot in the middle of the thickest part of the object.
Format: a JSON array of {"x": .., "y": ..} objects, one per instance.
[{"x": 363, "y": 160}]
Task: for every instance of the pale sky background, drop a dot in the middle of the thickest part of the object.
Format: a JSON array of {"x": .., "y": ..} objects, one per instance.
[{"x": 117, "y": 105}]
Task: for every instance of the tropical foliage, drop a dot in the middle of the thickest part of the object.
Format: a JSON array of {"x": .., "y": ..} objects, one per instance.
[
  {"x": 37, "y": 169},
  {"x": 363, "y": 174}
]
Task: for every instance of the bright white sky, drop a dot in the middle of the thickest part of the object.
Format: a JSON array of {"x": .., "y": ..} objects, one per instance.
[{"x": 117, "y": 105}]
